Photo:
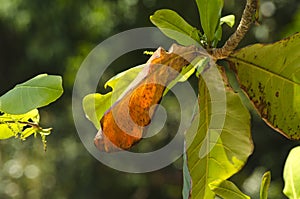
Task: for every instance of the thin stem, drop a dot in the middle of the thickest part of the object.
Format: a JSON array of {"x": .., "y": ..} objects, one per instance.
[
  {"x": 238, "y": 35},
  {"x": 33, "y": 125}
]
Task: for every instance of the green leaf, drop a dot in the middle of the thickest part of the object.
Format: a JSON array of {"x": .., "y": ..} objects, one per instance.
[
  {"x": 14, "y": 125},
  {"x": 217, "y": 153},
  {"x": 291, "y": 174},
  {"x": 95, "y": 105},
  {"x": 175, "y": 27},
  {"x": 198, "y": 63},
  {"x": 227, "y": 190},
  {"x": 34, "y": 93},
  {"x": 270, "y": 75},
  {"x": 210, "y": 14},
  {"x": 265, "y": 183},
  {"x": 229, "y": 20}
]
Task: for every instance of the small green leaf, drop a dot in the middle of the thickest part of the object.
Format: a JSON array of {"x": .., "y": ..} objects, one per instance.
[
  {"x": 15, "y": 125},
  {"x": 270, "y": 75},
  {"x": 95, "y": 105},
  {"x": 229, "y": 20},
  {"x": 227, "y": 190},
  {"x": 210, "y": 14},
  {"x": 175, "y": 27},
  {"x": 265, "y": 183},
  {"x": 34, "y": 93},
  {"x": 291, "y": 174}
]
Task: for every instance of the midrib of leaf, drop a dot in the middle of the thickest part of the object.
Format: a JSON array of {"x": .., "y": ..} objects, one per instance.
[
  {"x": 207, "y": 140},
  {"x": 200, "y": 171},
  {"x": 205, "y": 112},
  {"x": 271, "y": 73},
  {"x": 37, "y": 87},
  {"x": 206, "y": 128}
]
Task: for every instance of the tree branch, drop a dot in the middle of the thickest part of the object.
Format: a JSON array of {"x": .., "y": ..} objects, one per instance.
[{"x": 245, "y": 23}]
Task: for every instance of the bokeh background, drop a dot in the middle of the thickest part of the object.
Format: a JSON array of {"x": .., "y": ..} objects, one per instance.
[{"x": 54, "y": 36}]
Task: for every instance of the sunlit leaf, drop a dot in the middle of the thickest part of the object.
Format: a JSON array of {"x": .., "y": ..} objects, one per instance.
[
  {"x": 210, "y": 14},
  {"x": 227, "y": 190},
  {"x": 217, "y": 154},
  {"x": 265, "y": 183},
  {"x": 270, "y": 75},
  {"x": 16, "y": 125},
  {"x": 291, "y": 174},
  {"x": 34, "y": 93},
  {"x": 175, "y": 27},
  {"x": 95, "y": 105},
  {"x": 229, "y": 20}
]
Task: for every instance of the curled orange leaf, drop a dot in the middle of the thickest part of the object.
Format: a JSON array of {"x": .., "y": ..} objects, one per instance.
[{"x": 124, "y": 123}]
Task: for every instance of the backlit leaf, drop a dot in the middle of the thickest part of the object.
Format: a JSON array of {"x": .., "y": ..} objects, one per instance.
[
  {"x": 291, "y": 174},
  {"x": 34, "y": 93},
  {"x": 229, "y": 20},
  {"x": 95, "y": 105},
  {"x": 15, "y": 125},
  {"x": 216, "y": 153},
  {"x": 265, "y": 183}
]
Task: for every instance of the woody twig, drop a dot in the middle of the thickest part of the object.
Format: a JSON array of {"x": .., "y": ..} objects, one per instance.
[{"x": 233, "y": 41}]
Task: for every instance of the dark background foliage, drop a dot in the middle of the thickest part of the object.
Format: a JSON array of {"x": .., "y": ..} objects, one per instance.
[{"x": 54, "y": 36}]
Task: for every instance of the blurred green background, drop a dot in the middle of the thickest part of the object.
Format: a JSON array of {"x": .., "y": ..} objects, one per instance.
[{"x": 54, "y": 36}]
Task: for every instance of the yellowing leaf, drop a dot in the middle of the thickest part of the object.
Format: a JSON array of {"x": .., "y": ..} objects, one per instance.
[{"x": 270, "y": 75}]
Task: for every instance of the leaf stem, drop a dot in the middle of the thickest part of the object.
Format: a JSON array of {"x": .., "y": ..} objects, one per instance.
[
  {"x": 33, "y": 125},
  {"x": 245, "y": 23}
]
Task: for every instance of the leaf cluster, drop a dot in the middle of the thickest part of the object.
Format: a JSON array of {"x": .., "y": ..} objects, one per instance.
[{"x": 19, "y": 116}]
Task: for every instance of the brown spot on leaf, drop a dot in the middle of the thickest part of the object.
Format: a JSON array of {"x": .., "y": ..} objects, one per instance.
[
  {"x": 261, "y": 88},
  {"x": 277, "y": 94}
]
